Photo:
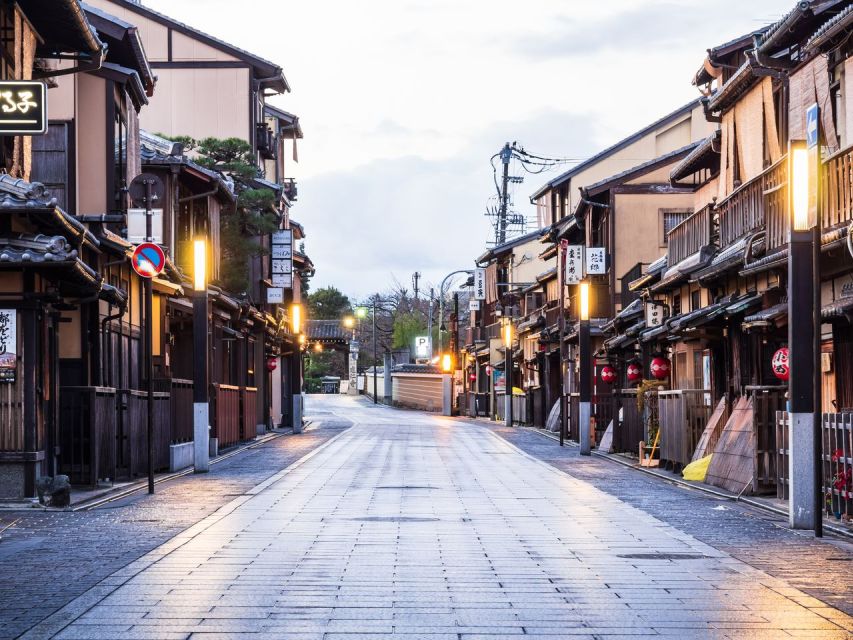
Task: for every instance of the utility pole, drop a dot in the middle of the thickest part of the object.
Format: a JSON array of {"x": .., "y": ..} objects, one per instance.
[
  {"x": 415, "y": 279},
  {"x": 429, "y": 321},
  {"x": 506, "y": 155}
]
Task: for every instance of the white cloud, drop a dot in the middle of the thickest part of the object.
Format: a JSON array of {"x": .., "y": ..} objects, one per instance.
[{"x": 404, "y": 101}]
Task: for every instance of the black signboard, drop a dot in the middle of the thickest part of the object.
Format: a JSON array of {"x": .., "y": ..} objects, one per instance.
[{"x": 23, "y": 107}]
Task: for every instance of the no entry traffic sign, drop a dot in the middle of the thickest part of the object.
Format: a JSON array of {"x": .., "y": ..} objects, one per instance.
[{"x": 148, "y": 260}]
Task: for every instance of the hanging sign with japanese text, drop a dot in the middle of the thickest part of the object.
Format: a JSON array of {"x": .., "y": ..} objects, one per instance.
[
  {"x": 479, "y": 284},
  {"x": 654, "y": 314},
  {"x": 281, "y": 265},
  {"x": 574, "y": 263},
  {"x": 23, "y": 107},
  {"x": 474, "y": 305},
  {"x": 8, "y": 344},
  {"x": 595, "y": 261}
]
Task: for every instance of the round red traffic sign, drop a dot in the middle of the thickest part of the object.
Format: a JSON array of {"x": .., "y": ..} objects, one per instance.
[{"x": 148, "y": 260}]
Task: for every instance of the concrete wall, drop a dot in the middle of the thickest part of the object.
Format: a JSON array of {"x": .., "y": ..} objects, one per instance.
[{"x": 427, "y": 392}]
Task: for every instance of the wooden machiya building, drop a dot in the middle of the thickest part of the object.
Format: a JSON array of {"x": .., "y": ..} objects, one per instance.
[
  {"x": 72, "y": 395},
  {"x": 724, "y": 278},
  {"x": 45, "y": 252}
]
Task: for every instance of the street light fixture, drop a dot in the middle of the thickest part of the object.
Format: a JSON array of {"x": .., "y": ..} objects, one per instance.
[
  {"x": 296, "y": 318},
  {"x": 507, "y": 338},
  {"x": 585, "y": 368},
  {"x": 805, "y": 461},
  {"x": 201, "y": 402},
  {"x": 446, "y": 363}
]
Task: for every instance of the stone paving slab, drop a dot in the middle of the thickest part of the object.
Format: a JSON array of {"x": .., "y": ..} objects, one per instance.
[
  {"x": 49, "y": 558},
  {"x": 413, "y": 526}
]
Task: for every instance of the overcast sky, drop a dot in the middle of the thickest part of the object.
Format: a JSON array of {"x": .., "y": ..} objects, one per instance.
[{"x": 403, "y": 102}]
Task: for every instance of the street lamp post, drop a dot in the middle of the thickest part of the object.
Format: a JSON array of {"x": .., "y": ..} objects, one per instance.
[
  {"x": 201, "y": 403},
  {"x": 296, "y": 366},
  {"x": 585, "y": 369},
  {"x": 805, "y": 470},
  {"x": 441, "y": 327},
  {"x": 374, "y": 352},
  {"x": 507, "y": 329}
]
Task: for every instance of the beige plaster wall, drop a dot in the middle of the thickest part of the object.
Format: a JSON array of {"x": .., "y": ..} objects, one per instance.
[
  {"x": 526, "y": 263},
  {"x": 200, "y": 103},
  {"x": 639, "y": 230},
  {"x": 665, "y": 139},
  {"x": 155, "y": 36},
  {"x": 91, "y": 149}
]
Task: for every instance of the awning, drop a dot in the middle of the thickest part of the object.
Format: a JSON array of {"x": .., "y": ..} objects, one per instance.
[
  {"x": 744, "y": 304},
  {"x": 840, "y": 310},
  {"x": 775, "y": 316},
  {"x": 772, "y": 261}
]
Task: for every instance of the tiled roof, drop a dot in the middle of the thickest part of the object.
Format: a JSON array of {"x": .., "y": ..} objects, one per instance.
[{"x": 327, "y": 330}]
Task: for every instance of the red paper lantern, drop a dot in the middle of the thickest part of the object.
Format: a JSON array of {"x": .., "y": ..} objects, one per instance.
[
  {"x": 660, "y": 368},
  {"x": 472, "y": 377},
  {"x": 608, "y": 374},
  {"x": 272, "y": 364},
  {"x": 634, "y": 372},
  {"x": 781, "y": 364}
]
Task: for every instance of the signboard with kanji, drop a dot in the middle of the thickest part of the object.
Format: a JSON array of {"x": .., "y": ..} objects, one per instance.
[
  {"x": 479, "y": 284},
  {"x": 596, "y": 261},
  {"x": 23, "y": 107},
  {"x": 474, "y": 305},
  {"x": 574, "y": 263},
  {"x": 655, "y": 314},
  {"x": 8, "y": 345},
  {"x": 281, "y": 264}
]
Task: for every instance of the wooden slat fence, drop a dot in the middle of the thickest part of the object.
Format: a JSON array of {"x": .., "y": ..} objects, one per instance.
[
  {"x": 766, "y": 403},
  {"x": 87, "y": 438},
  {"x": 181, "y": 401},
  {"x": 683, "y": 416},
  {"x": 628, "y": 429},
  {"x": 837, "y": 460},
  {"x": 689, "y": 236},
  {"x": 574, "y": 416},
  {"x": 837, "y": 190},
  {"x": 226, "y": 427},
  {"x": 249, "y": 400},
  {"x": 133, "y": 436},
  {"x": 12, "y": 416}
]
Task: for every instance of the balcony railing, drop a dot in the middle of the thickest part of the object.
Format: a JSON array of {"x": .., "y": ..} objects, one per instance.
[
  {"x": 837, "y": 190},
  {"x": 756, "y": 205},
  {"x": 689, "y": 236}
]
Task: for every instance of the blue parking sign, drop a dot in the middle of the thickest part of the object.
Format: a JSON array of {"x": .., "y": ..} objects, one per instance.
[{"x": 812, "y": 128}]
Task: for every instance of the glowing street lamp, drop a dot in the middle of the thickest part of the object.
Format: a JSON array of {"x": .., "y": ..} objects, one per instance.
[
  {"x": 806, "y": 490},
  {"x": 507, "y": 338},
  {"x": 296, "y": 318},
  {"x": 446, "y": 363},
  {"x": 201, "y": 401},
  {"x": 585, "y": 378}
]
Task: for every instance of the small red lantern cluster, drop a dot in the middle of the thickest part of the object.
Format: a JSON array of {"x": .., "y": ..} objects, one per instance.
[
  {"x": 608, "y": 374},
  {"x": 781, "y": 364},
  {"x": 634, "y": 372},
  {"x": 660, "y": 368}
]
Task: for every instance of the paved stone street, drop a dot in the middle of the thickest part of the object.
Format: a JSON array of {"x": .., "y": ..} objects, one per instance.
[
  {"x": 50, "y": 557},
  {"x": 414, "y": 526}
]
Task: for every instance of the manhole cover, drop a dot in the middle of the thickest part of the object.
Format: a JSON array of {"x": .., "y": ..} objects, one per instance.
[
  {"x": 663, "y": 556},
  {"x": 394, "y": 519}
]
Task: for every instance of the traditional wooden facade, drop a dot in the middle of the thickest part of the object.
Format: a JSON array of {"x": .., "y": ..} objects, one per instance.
[
  {"x": 47, "y": 254},
  {"x": 725, "y": 280}
]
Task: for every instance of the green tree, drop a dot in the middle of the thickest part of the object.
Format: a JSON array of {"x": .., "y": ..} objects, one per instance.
[
  {"x": 406, "y": 327},
  {"x": 255, "y": 213},
  {"x": 328, "y": 303}
]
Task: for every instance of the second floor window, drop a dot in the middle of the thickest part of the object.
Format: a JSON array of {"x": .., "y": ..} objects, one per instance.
[
  {"x": 671, "y": 219},
  {"x": 120, "y": 159}
]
